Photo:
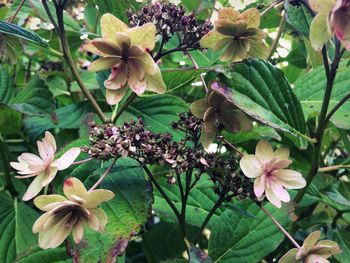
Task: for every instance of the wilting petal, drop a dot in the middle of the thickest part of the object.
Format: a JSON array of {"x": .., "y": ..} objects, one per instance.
[
  {"x": 209, "y": 119},
  {"x": 96, "y": 197},
  {"x": 34, "y": 188},
  {"x": 234, "y": 120},
  {"x": 199, "y": 107},
  {"x": 101, "y": 217},
  {"x": 49, "y": 175},
  {"x": 143, "y": 36},
  {"x": 146, "y": 62},
  {"x": 311, "y": 240},
  {"x": 39, "y": 223},
  {"x": 326, "y": 248},
  {"x": 251, "y": 166},
  {"x": 270, "y": 195},
  {"x": 93, "y": 222},
  {"x": 279, "y": 191},
  {"x": 281, "y": 153},
  {"x": 104, "y": 63},
  {"x": 43, "y": 200},
  {"x": 289, "y": 257},
  {"x": 88, "y": 46},
  {"x": 264, "y": 151},
  {"x": 110, "y": 25},
  {"x": 228, "y": 28},
  {"x": 107, "y": 47},
  {"x": 259, "y": 186},
  {"x": 155, "y": 82},
  {"x": 290, "y": 179},
  {"x": 251, "y": 17},
  {"x": 207, "y": 138},
  {"x": 319, "y": 31},
  {"x": 67, "y": 158},
  {"x": 115, "y": 96},
  {"x": 216, "y": 99},
  {"x": 137, "y": 85},
  {"x": 313, "y": 258},
  {"x": 73, "y": 186},
  {"x": 118, "y": 77},
  {"x": 78, "y": 232},
  {"x": 211, "y": 39},
  {"x": 228, "y": 13}
]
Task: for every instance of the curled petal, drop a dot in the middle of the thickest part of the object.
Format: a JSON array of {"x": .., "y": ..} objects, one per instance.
[
  {"x": 96, "y": 197},
  {"x": 199, "y": 107},
  {"x": 78, "y": 232},
  {"x": 326, "y": 248},
  {"x": 315, "y": 258},
  {"x": 51, "y": 140},
  {"x": 88, "y": 46},
  {"x": 42, "y": 201},
  {"x": 31, "y": 158},
  {"x": 118, "y": 77},
  {"x": 93, "y": 222},
  {"x": 34, "y": 188},
  {"x": 289, "y": 257},
  {"x": 39, "y": 223},
  {"x": 311, "y": 240},
  {"x": 49, "y": 175},
  {"x": 251, "y": 166},
  {"x": 67, "y": 158},
  {"x": 73, "y": 186}
]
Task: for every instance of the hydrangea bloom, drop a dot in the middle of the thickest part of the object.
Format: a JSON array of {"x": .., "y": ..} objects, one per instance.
[
  {"x": 65, "y": 215},
  {"x": 238, "y": 33},
  {"x": 126, "y": 52},
  {"x": 43, "y": 167},
  {"x": 312, "y": 251},
  {"x": 271, "y": 177}
]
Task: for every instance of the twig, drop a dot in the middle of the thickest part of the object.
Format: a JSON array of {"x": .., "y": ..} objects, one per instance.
[
  {"x": 333, "y": 168},
  {"x": 196, "y": 67},
  {"x": 82, "y": 161},
  {"x": 280, "y": 227},
  {"x": 280, "y": 31},
  {"x": 272, "y": 5},
  {"x": 125, "y": 105},
  {"x": 103, "y": 176},
  {"x": 337, "y": 106},
  {"x": 16, "y": 12},
  {"x": 230, "y": 145}
]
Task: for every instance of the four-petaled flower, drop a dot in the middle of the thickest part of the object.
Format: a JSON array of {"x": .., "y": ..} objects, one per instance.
[
  {"x": 312, "y": 251},
  {"x": 267, "y": 166},
  {"x": 216, "y": 107},
  {"x": 45, "y": 167},
  {"x": 238, "y": 33},
  {"x": 65, "y": 215},
  {"x": 125, "y": 51},
  {"x": 333, "y": 16}
]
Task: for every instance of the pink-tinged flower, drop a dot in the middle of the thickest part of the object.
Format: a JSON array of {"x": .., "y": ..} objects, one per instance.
[
  {"x": 312, "y": 251},
  {"x": 267, "y": 167},
  {"x": 70, "y": 214},
  {"x": 126, "y": 52},
  {"x": 340, "y": 22},
  {"x": 43, "y": 167}
]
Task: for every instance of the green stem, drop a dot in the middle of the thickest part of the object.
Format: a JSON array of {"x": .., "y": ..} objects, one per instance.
[
  {"x": 280, "y": 31},
  {"x": 125, "y": 105},
  {"x": 4, "y": 153}
]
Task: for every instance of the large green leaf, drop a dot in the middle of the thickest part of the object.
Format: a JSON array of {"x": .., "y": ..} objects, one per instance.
[
  {"x": 310, "y": 90},
  {"x": 117, "y": 8},
  {"x": 298, "y": 17},
  {"x": 16, "y": 221},
  {"x": 239, "y": 239},
  {"x": 260, "y": 90},
  {"x": 35, "y": 99},
  {"x": 36, "y": 254},
  {"x": 158, "y": 112},
  {"x": 20, "y": 32},
  {"x": 341, "y": 236},
  {"x": 126, "y": 212}
]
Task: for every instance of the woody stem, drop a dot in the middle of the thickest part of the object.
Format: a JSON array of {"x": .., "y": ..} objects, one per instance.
[{"x": 103, "y": 176}]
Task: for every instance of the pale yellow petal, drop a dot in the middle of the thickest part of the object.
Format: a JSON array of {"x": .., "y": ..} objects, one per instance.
[
  {"x": 78, "y": 232},
  {"x": 104, "y": 63},
  {"x": 115, "y": 96},
  {"x": 252, "y": 17},
  {"x": 96, "y": 197},
  {"x": 282, "y": 153},
  {"x": 73, "y": 186},
  {"x": 34, "y": 188},
  {"x": 110, "y": 25},
  {"x": 319, "y": 32},
  {"x": 43, "y": 200},
  {"x": 264, "y": 151},
  {"x": 143, "y": 36},
  {"x": 251, "y": 166},
  {"x": 155, "y": 82},
  {"x": 101, "y": 216},
  {"x": 39, "y": 223}
]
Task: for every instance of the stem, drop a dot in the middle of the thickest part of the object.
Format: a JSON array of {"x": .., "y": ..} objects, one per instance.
[
  {"x": 82, "y": 161},
  {"x": 59, "y": 28},
  {"x": 16, "y": 12},
  {"x": 280, "y": 227},
  {"x": 333, "y": 168},
  {"x": 272, "y": 5},
  {"x": 330, "y": 73},
  {"x": 207, "y": 219},
  {"x": 336, "y": 107},
  {"x": 125, "y": 105},
  {"x": 4, "y": 153},
  {"x": 281, "y": 28},
  {"x": 103, "y": 176},
  {"x": 194, "y": 62},
  {"x": 227, "y": 143}
]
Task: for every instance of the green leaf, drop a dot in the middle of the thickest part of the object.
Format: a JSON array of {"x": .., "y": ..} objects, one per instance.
[
  {"x": 127, "y": 211},
  {"x": 16, "y": 221},
  {"x": 257, "y": 133},
  {"x": 57, "y": 85},
  {"x": 36, "y": 254},
  {"x": 261, "y": 91},
  {"x": 198, "y": 256},
  {"x": 179, "y": 78},
  {"x": 341, "y": 236},
  {"x": 298, "y": 17},
  {"x": 33, "y": 100},
  {"x": 20, "y": 32},
  {"x": 239, "y": 239},
  {"x": 158, "y": 112},
  {"x": 310, "y": 91},
  {"x": 117, "y": 8}
]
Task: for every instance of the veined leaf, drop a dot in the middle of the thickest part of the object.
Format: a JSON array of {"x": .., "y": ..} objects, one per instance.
[{"x": 298, "y": 17}]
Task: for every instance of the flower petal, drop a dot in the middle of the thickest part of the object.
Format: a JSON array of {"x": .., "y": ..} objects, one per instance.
[
  {"x": 67, "y": 158},
  {"x": 145, "y": 61},
  {"x": 110, "y": 25},
  {"x": 78, "y": 232},
  {"x": 88, "y": 46},
  {"x": 281, "y": 153},
  {"x": 49, "y": 175},
  {"x": 104, "y": 63},
  {"x": 280, "y": 164},
  {"x": 102, "y": 218},
  {"x": 326, "y": 248},
  {"x": 93, "y": 222},
  {"x": 234, "y": 120},
  {"x": 264, "y": 151},
  {"x": 279, "y": 191},
  {"x": 143, "y": 36},
  {"x": 155, "y": 82},
  {"x": 43, "y": 200},
  {"x": 311, "y": 240},
  {"x": 290, "y": 179},
  {"x": 51, "y": 140},
  {"x": 207, "y": 138},
  {"x": 73, "y": 186},
  {"x": 273, "y": 199},
  {"x": 39, "y": 223},
  {"x": 118, "y": 77},
  {"x": 115, "y": 96},
  {"x": 259, "y": 186},
  {"x": 199, "y": 107},
  {"x": 319, "y": 31},
  {"x": 313, "y": 258},
  {"x": 96, "y": 197},
  {"x": 290, "y": 256},
  {"x": 228, "y": 13},
  {"x": 251, "y": 17},
  {"x": 324, "y": 5},
  {"x": 107, "y": 47},
  {"x": 211, "y": 40},
  {"x": 31, "y": 158},
  {"x": 251, "y": 166},
  {"x": 34, "y": 188}
]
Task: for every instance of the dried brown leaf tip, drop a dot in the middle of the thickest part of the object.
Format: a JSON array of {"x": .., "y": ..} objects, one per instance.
[
  {"x": 125, "y": 51},
  {"x": 64, "y": 215},
  {"x": 312, "y": 251},
  {"x": 237, "y": 33},
  {"x": 217, "y": 108}
]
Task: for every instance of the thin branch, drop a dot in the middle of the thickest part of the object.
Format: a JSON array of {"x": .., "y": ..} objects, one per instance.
[
  {"x": 272, "y": 5},
  {"x": 280, "y": 227},
  {"x": 227, "y": 143},
  {"x": 82, "y": 161},
  {"x": 333, "y": 168},
  {"x": 103, "y": 176},
  {"x": 281, "y": 28},
  {"x": 194, "y": 62},
  {"x": 125, "y": 105},
  {"x": 16, "y": 12},
  {"x": 337, "y": 106}
]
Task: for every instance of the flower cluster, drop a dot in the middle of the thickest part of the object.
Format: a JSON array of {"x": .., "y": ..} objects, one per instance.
[
  {"x": 126, "y": 52},
  {"x": 333, "y": 17},
  {"x": 312, "y": 250},
  {"x": 238, "y": 33},
  {"x": 170, "y": 19},
  {"x": 217, "y": 108}
]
